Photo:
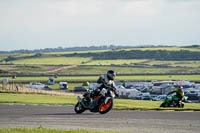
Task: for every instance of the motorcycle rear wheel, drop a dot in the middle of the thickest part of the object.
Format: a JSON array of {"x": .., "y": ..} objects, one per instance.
[
  {"x": 79, "y": 108},
  {"x": 104, "y": 108}
]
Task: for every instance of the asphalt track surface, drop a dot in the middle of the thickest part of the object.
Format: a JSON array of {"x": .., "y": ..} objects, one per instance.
[{"x": 63, "y": 117}]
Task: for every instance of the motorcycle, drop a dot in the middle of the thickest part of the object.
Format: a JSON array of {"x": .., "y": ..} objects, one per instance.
[
  {"x": 173, "y": 101},
  {"x": 101, "y": 102}
]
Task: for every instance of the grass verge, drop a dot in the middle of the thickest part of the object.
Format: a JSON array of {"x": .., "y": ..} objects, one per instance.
[
  {"x": 123, "y": 104},
  {"x": 128, "y": 104},
  {"x": 44, "y": 130},
  {"x": 36, "y": 99}
]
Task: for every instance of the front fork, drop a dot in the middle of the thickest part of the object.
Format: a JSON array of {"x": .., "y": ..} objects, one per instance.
[
  {"x": 80, "y": 100},
  {"x": 106, "y": 100}
]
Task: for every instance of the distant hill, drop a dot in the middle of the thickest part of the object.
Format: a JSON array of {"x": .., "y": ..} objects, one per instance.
[
  {"x": 162, "y": 55},
  {"x": 71, "y": 49},
  {"x": 60, "y": 49},
  {"x": 188, "y": 53}
]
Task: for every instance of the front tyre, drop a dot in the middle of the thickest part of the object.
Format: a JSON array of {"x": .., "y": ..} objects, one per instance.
[
  {"x": 163, "y": 104},
  {"x": 182, "y": 105},
  {"x": 79, "y": 108},
  {"x": 104, "y": 108}
]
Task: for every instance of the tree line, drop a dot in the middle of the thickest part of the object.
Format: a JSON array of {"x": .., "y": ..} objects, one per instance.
[
  {"x": 162, "y": 55},
  {"x": 61, "y": 49}
]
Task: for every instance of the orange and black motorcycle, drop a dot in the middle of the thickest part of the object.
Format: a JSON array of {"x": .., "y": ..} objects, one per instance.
[{"x": 96, "y": 101}]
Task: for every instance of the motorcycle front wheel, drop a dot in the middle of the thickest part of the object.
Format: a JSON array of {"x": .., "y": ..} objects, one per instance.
[
  {"x": 79, "y": 108},
  {"x": 104, "y": 108},
  {"x": 163, "y": 104}
]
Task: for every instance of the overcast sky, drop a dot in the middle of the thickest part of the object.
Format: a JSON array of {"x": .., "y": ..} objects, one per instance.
[{"x": 35, "y": 24}]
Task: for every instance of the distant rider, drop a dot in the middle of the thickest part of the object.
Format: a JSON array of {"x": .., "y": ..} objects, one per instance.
[{"x": 179, "y": 94}]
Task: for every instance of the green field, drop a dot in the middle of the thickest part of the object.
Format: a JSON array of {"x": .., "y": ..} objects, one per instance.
[
  {"x": 114, "y": 62},
  {"x": 23, "y": 55},
  {"x": 34, "y": 68},
  {"x": 28, "y": 68},
  {"x": 53, "y": 61},
  {"x": 3, "y": 56},
  {"x": 119, "y": 70},
  {"x": 58, "y": 63},
  {"x": 44, "y": 130},
  {"x": 63, "y": 53},
  {"x": 192, "y": 64},
  {"x": 146, "y": 64},
  {"x": 89, "y": 61},
  {"x": 127, "y": 70},
  {"x": 169, "y": 48},
  {"x": 146, "y": 68},
  {"x": 118, "y": 103}
]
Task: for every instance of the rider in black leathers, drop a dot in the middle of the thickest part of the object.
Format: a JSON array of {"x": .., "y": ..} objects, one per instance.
[
  {"x": 107, "y": 80},
  {"x": 104, "y": 81}
]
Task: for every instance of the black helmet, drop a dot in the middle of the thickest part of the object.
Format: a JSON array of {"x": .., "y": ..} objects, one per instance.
[
  {"x": 111, "y": 74},
  {"x": 180, "y": 88}
]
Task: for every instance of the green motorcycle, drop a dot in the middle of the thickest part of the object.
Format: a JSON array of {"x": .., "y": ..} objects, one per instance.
[{"x": 173, "y": 101}]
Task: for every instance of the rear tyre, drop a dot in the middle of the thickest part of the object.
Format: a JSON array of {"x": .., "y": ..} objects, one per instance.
[
  {"x": 79, "y": 108},
  {"x": 104, "y": 108}
]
